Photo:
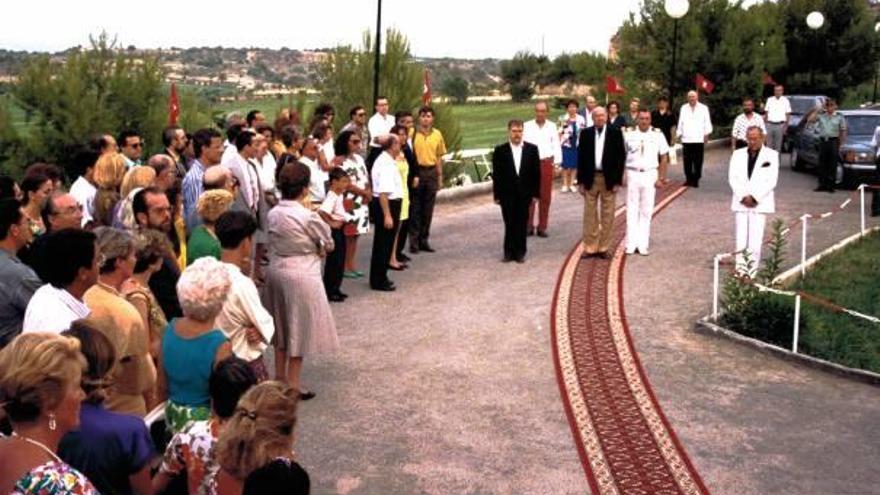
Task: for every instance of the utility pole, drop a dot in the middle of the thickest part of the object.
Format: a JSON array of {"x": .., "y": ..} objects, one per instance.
[{"x": 378, "y": 47}]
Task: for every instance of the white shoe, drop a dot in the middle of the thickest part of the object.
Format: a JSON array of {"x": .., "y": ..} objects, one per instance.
[
  {"x": 564, "y": 189},
  {"x": 643, "y": 252},
  {"x": 630, "y": 251}
]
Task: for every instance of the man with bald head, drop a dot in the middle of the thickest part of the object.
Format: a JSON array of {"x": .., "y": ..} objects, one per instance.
[
  {"x": 60, "y": 211},
  {"x": 693, "y": 129},
  {"x": 601, "y": 157},
  {"x": 543, "y": 134}
]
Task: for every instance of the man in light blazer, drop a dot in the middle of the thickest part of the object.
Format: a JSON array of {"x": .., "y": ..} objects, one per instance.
[
  {"x": 516, "y": 181},
  {"x": 601, "y": 159},
  {"x": 754, "y": 171}
]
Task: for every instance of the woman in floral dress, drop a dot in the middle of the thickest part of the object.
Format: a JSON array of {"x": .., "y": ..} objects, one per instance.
[{"x": 357, "y": 199}]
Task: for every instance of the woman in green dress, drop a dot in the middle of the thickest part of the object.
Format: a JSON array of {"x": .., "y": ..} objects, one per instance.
[{"x": 203, "y": 242}]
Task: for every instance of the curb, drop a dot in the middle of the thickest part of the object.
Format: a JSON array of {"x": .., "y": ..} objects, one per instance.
[
  {"x": 463, "y": 192},
  {"x": 706, "y": 326}
]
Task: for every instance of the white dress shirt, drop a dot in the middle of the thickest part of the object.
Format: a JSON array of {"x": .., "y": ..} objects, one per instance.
[
  {"x": 694, "y": 123},
  {"x": 379, "y": 126},
  {"x": 243, "y": 310},
  {"x": 742, "y": 123},
  {"x": 386, "y": 177},
  {"x": 84, "y": 192},
  {"x": 52, "y": 310},
  {"x": 777, "y": 109},
  {"x": 247, "y": 180},
  {"x": 545, "y": 137},
  {"x": 600, "y": 145},
  {"x": 643, "y": 149},
  {"x": 516, "y": 151}
]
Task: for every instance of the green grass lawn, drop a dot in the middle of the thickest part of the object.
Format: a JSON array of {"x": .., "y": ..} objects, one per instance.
[
  {"x": 484, "y": 125},
  {"x": 849, "y": 278}
]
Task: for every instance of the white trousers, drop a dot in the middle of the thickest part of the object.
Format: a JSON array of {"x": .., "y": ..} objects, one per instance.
[
  {"x": 640, "y": 192},
  {"x": 749, "y": 237}
]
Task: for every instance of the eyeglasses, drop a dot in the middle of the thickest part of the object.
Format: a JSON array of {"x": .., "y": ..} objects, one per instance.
[{"x": 137, "y": 145}]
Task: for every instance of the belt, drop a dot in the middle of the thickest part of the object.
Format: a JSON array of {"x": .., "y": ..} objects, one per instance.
[
  {"x": 638, "y": 169},
  {"x": 828, "y": 139},
  {"x": 776, "y": 123}
]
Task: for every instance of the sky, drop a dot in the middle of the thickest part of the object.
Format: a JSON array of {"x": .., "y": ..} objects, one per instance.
[{"x": 454, "y": 28}]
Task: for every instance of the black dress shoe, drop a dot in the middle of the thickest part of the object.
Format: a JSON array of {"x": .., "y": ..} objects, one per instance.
[
  {"x": 389, "y": 287},
  {"x": 521, "y": 260},
  {"x": 530, "y": 233},
  {"x": 307, "y": 395},
  {"x": 414, "y": 250},
  {"x": 426, "y": 248},
  {"x": 335, "y": 298},
  {"x": 506, "y": 259},
  {"x": 342, "y": 294},
  {"x": 820, "y": 189},
  {"x": 605, "y": 255},
  {"x": 543, "y": 233},
  {"x": 403, "y": 257},
  {"x": 586, "y": 256}
]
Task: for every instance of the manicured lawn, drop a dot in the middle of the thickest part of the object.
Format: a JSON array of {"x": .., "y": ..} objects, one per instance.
[
  {"x": 484, "y": 125},
  {"x": 850, "y": 278}
]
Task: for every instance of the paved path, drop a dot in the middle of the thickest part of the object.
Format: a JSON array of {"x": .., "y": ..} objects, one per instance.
[
  {"x": 752, "y": 424},
  {"x": 447, "y": 386}
]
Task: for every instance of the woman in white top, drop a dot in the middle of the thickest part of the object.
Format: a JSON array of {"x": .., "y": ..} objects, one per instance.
[{"x": 387, "y": 198}]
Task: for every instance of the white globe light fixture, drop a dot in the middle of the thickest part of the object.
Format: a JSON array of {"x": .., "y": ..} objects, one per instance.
[
  {"x": 815, "y": 20},
  {"x": 877, "y": 27},
  {"x": 676, "y": 8}
]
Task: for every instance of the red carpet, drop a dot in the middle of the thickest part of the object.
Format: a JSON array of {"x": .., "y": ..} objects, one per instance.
[{"x": 625, "y": 442}]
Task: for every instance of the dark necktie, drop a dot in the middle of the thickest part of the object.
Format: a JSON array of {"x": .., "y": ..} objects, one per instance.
[
  {"x": 599, "y": 132},
  {"x": 753, "y": 158}
]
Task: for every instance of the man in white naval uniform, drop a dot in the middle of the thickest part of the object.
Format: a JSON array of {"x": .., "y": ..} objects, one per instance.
[
  {"x": 646, "y": 162},
  {"x": 754, "y": 171}
]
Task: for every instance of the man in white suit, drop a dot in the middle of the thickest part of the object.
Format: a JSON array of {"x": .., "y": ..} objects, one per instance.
[{"x": 753, "y": 173}]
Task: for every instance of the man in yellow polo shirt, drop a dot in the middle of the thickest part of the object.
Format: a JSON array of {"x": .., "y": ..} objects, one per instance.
[{"x": 429, "y": 148}]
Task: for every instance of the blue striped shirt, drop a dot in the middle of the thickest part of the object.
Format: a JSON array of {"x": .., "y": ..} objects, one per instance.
[{"x": 193, "y": 187}]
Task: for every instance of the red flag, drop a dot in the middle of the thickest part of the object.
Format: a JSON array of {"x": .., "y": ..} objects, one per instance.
[
  {"x": 426, "y": 90},
  {"x": 173, "y": 106},
  {"x": 612, "y": 86},
  {"x": 704, "y": 84},
  {"x": 767, "y": 80}
]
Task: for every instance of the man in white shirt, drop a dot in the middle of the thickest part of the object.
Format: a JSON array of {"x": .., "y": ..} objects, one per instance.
[
  {"x": 646, "y": 161},
  {"x": 243, "y": 319},
  {"x": 84, "y": 188},
  {"x": 70, "y": 268},
  {"x": 753, "y": 174},
  {"x": 778, "y": 113},
  {"x": 694, "y": 127},
  {"x": 742, "y": 123},
  {"x": 248, "y": 177},
  {"x": 379, "y": 124},
  {"x": 385, "y": 208},
  {"x": 587, "y": 111},
  {"x": 318, "y": 177},
  {"x": 543, "y": 134}
]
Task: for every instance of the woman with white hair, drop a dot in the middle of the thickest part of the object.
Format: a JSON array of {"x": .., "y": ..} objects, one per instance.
[{"x": 192, "y": 346}]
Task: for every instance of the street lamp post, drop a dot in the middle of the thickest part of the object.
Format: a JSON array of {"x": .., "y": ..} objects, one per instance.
[
  {"x": 676, "y": 9},
  {"x": 378, "y": 47},
  {"x": 815, "y": 20}
]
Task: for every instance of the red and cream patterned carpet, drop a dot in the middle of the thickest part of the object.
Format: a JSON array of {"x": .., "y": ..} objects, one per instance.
[{"x": 625, "y": 442}]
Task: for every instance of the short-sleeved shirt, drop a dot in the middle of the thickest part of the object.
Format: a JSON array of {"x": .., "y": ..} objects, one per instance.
[
  {"x": 192, "y": 450},
  {"x": 386, "y": 177},
  {"x": 644, "y": 148},
  {"x": 334, "y": 205},
  {"x": 108, "y": 448},
  {"x": 742, "y": 123},
  {"x": 777, "y": 109},
  {"x": 429, "y": 148},
  {"x": 830, "y": 125},
  {"x": 52, "y": 310},
  {"x": 84, "y": 192},
  {"x": 53, "y": 478}
]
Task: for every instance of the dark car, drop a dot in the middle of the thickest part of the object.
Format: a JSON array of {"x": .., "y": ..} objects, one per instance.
[
  {"x": 856, "y": 161},
  {"x": 801, "y": 105}
]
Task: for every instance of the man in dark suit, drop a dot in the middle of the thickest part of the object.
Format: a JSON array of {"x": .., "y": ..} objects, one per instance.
[
  {"x": 601, "y": 159},
  {"x": 516, "y": 181}
]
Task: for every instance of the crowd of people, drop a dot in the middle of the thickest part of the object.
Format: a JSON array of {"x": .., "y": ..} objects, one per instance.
[{"x": 156, "y": 284}]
